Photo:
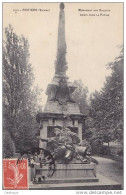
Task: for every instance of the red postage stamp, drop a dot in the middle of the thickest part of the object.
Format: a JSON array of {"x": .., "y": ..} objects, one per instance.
[{"x": 15, "y": 175}]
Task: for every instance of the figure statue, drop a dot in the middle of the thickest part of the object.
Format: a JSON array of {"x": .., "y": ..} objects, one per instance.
[
  {"x": 63, "y": 93},
  {"x": 65, "y": 146}
]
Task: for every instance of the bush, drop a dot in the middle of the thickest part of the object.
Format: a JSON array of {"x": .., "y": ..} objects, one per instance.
[
  {"x": 98, "y": 148},
  {"x": 8, "y": 145},
  {"x": 120, "y": 152},
  {"x": 106, "y": 150},
  {"x": 96, "y": 145}
]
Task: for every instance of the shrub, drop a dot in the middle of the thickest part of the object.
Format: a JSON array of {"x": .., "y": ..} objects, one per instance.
[
  {"x": 98, "y": 148},
  {"x": 105, "y": 150},
  {"x": 8, "y": 145}
]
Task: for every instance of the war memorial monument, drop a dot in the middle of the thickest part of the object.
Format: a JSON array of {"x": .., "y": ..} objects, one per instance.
[{"x": 60, "y": 133}]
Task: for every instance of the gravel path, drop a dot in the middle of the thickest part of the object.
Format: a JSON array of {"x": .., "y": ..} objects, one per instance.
[{"x": 110, "y": 169}]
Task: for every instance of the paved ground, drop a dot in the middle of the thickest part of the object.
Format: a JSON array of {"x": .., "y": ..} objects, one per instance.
[{"x": 110, "y": 169}]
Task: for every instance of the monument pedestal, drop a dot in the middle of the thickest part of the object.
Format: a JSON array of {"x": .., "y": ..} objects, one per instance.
[
  {"x": 69, "y": 173},
  {"x": 89, "y": 181}
]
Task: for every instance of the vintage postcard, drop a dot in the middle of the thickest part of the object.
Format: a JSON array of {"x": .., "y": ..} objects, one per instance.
[{"x": 63, "y": 96}]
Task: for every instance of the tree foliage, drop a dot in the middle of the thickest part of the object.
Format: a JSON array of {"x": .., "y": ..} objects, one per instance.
[
  {"x": 8, "y": 145},
  {"x": 20, "y": 98},
  {"x": 106, "y": 110},
  {"x": 80, "y": 96}
]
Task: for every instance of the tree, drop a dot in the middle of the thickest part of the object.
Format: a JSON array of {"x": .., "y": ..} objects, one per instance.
[
  {"x": 114, "y": 94},
  {"x": 80, "y": 96},
  {"x": 19, "y": 96},
  {"x": 107, "y": 105},
  {"x": 8, "y": 145}
]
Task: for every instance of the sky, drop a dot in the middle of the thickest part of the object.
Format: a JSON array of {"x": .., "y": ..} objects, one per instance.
[{"x": 92, "y": 41}]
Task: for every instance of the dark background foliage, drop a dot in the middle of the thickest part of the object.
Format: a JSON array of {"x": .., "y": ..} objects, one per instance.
[{"x": 20, "y": 98}]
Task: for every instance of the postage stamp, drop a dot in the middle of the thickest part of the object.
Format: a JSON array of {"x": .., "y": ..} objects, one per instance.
[{"x": 15, "y": 175}]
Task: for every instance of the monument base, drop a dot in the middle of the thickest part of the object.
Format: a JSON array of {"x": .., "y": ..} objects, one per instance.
[
  {"x": 68, "y": 173},
  {"x": 104, "y": 183}
]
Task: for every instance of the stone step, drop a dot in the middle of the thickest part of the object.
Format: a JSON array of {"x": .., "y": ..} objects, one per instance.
[
  {"x": 104, "y": 183},
  {"x": 67, "y": 180}
]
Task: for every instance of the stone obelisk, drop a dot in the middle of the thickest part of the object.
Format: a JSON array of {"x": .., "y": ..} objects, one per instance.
[
  {"x": 60, "y": 109},
  {"x": 60, "y": 63}
]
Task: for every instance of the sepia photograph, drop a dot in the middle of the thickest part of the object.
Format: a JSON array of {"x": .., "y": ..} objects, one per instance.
[{"x": 63, "y": 96}]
